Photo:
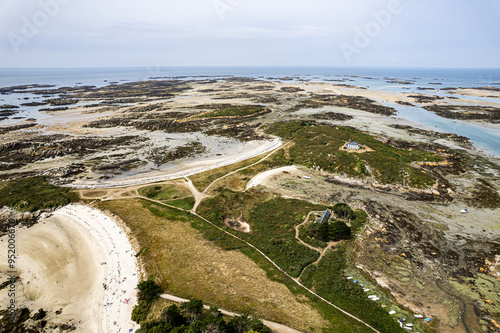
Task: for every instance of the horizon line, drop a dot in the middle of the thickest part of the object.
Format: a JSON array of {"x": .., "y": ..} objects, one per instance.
[{"x": 256, "y": 66}]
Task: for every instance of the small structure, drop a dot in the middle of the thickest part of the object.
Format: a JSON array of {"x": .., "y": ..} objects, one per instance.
[
  {"x": 353, "y": 145},
  {"x": 324, "y": 217},
  {"x": 464, "y": 211}
]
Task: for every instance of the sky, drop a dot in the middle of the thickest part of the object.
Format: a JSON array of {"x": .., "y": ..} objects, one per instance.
[{"x": 334, "y": 33}]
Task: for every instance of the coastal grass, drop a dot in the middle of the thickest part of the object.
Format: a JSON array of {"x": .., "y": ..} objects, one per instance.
[
  {"x": 187, "y": 264},
  {"x": 164, "y": 192},
  {"x": 34, "y": 193},
  {"x": 202, "y": 180},
  {"x": 319, "y": 146},
  {"x": 233, "y": 111},
  {"x": 271, "y": 219},
  {"x": 328, "y": 279},
  {"x": 184, "y": 203}
]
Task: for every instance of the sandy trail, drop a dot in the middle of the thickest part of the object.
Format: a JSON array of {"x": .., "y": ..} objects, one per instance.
[
  {"x": 64, "y": 262},
  {"x": 258, "y": 179}
]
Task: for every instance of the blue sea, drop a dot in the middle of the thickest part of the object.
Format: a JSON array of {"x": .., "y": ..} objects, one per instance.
[{"x": 375, "y": 78}]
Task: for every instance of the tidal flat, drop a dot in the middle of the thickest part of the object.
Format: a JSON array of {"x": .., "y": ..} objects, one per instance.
[{"x": 412, "y": 180}]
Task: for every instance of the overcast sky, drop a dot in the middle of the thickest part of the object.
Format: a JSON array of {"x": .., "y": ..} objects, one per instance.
[{"x": 122, "y": 33}]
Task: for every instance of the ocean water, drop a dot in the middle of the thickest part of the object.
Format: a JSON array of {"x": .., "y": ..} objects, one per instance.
[{"x": 374, "y": 78}]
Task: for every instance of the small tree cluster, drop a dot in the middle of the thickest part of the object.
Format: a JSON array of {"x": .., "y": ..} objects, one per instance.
[
  {"x": 191, "y": 318},
  {"x": 343, "y": 211},
  {"x": 333, "y": 231}
]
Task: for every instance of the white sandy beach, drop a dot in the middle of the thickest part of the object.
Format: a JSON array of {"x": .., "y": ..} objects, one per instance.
[{"x": 64, "y": 263}]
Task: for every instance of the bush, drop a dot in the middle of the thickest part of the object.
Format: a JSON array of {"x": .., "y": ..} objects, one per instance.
[
  {"x": 148, "y": 290},
  {"x": 140, "y": 311},
  {"x": 338, "y": 230},
  {"x": 35, "y": 193},
  {"x": 343, "y": 211}
]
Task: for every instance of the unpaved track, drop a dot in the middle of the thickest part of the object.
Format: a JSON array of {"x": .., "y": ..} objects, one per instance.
[
  {"x": 200, "y": 196},
  {"x": 246, "y": 167}
]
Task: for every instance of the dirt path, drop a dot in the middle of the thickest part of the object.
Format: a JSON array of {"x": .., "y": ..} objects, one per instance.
[
  {"x": 199, "y": 196},
  {"x": 275, "y": 327},
  {"x": 321, "y": 251},
  {"x": 248, "y": 166},
  {"x": 288, "y": 275}
]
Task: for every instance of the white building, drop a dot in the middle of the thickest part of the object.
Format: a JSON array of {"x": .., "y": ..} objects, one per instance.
[{"x": 353, "y": 145}]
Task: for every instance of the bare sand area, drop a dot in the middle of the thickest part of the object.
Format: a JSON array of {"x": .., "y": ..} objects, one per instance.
[
  {"x": 79, "y": 262},
  {"x": 258, "y": 179}
]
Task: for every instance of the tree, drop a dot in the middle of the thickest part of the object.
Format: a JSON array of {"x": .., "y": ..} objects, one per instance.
[
  {"x": 343, "y": 211},
  {"x": 193, "y": 309},
  {"x": 339, "y": 230},
  {"x": 148, "y": 290},
  {"x": 172, "y": 315}
]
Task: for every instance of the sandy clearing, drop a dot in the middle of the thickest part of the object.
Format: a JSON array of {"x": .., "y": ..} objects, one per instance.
[
  {"x": 258, "y": 179},
  {"x": 61, "y": 265},
  {"x": 187, "y": 168}
]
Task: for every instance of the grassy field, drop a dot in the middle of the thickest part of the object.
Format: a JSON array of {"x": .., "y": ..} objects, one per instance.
[
  {"x": 271, "y": 220},
  {"x": 234, "y": 111},
  {"x": 32, "y": 194},
  {"x": 164, "y": 192},
  {"x": 190, "y": 266},
  {"x": 319, "y": 146},
  {"x": 203, "y": 179},
  {"x": 328, "y": 280}
]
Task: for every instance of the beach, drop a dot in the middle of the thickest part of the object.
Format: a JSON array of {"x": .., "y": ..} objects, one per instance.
[{"x": 78, "y": 262}]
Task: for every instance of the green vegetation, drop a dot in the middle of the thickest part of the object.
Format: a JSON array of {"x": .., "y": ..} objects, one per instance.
[
  {"x": 318, "y": 145},
  {"x": 165, "y": 192},
  {"x": 203, "y": 179},
  {"x": 188, "y": 257},
  {"x": 328, "y": 280},
  {"x": 343, "y": 211},
  {"x": 358, "y": 220},
  {"x": 234, "y": 111},
  {"x": 35, "y": 193},
  {"x": 191, "y": 317},
  {"x": 325, "y": 232},
  {"x": 184, "y": 203},
  {"x": 148, "y": 292},
  {"x": 319, "y": 234},
  {"x": 272, "y": 222}
]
